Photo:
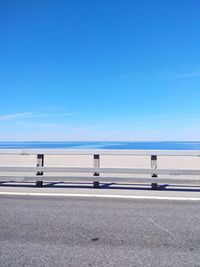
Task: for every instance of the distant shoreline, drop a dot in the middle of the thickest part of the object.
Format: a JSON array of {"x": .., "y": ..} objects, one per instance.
[{"x": 144, "y": 145}]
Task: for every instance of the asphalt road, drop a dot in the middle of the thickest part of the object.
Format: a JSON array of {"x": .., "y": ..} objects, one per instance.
[{"x": 71, "y": 231}]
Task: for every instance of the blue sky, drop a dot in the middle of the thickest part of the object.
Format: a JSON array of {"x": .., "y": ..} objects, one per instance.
[{"x": 100, "y": 70}]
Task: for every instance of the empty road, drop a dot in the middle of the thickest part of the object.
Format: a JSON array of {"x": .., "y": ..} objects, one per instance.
[{"x": 86, "y": 231}]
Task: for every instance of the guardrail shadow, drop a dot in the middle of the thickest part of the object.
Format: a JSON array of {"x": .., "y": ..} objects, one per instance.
[{"x": 104, "y": 186}]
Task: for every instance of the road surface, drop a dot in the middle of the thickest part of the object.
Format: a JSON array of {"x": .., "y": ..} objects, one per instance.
[{"x": 73, "y": 231}]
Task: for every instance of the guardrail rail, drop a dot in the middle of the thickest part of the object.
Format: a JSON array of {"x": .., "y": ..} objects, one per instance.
[{"x": 97, "y": 171}]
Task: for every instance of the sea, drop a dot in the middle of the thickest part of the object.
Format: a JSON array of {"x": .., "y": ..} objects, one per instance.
[{"x": 147, "y": 145}]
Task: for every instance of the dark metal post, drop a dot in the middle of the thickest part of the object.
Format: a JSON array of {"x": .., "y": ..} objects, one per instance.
[
  {"x": 96, "y": 165},
  {"x": 154, "y": 175},
  {"x": 40, "y": 163}
]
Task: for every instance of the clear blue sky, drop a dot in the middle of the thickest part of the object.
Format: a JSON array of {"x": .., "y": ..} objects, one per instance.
[{"x": 100, "y": 70}]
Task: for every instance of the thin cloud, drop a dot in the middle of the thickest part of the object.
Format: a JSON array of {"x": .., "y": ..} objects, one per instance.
[
  {"x": 188, "y": 75},
  {"x": 15, "y": 116},
  {"x": 86, "y": 128},
  {"x": 30, "y": 115},
  {"x": 41, "y": 125},
  {"x": 160, "y": 75},
  {"x": 35, "y": 115}
]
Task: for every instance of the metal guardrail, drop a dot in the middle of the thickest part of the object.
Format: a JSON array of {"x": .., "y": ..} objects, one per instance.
[
  {"x": 120, "y": 152},
  {"x": 96, "y": 170}
]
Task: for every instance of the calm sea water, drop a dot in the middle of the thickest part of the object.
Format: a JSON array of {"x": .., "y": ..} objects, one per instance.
[{"x": 103, "y": 145}]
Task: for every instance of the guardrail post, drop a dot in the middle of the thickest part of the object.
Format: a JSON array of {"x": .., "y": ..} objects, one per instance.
[
  {"x": 154, "y": 175},
  {"x": 40, "y": 163},
  {"x": 96, "y": 165}
]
